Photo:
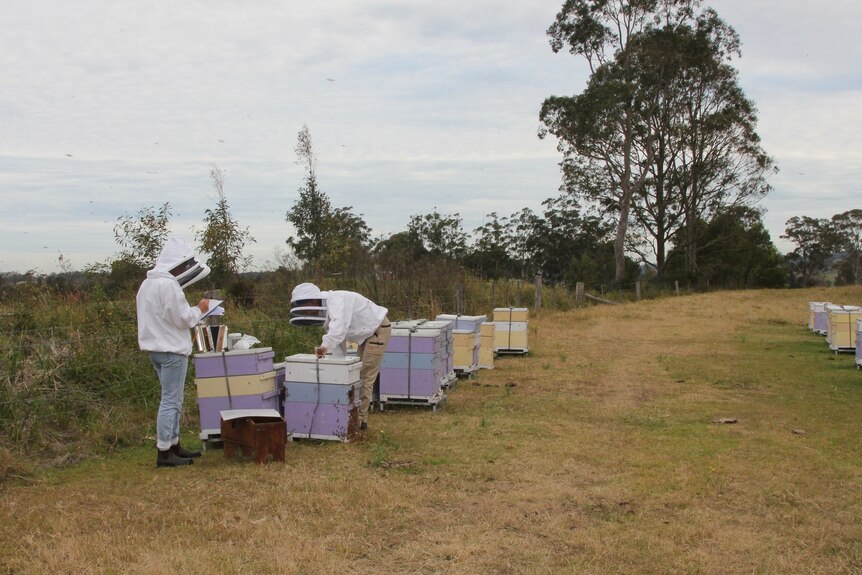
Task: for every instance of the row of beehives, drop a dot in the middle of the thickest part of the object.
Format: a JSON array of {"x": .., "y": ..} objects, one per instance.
[
  {"x": 319, "y": 398},
  {"x": 841, "y": 324}
]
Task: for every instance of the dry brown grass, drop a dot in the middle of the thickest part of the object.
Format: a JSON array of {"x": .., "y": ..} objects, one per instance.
[{"x": 596, "y": 454}]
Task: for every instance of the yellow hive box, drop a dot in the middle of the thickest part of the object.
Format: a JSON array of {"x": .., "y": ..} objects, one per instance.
[
  {"x": 255, "y": 384},
  {"x": 486, "y": 352},
  {"x": 465, "y": 339},
  {"x": 487, "y": 329},
  {"x": 510, "y": 340},
  {"x": 842, "y": 328},
  {"x": 511, "y": 314},
  {"x": 463, "y": 356}
]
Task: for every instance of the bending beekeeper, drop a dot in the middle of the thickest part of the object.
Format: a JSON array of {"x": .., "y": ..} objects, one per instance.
[
  {"x": 346, "y": 316},
  {"x": 164, "y": 320}
]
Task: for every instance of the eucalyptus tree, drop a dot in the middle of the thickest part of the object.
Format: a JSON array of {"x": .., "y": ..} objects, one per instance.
[
  {"x": 605, "y": 129},
  {"x": 815, "y": 244},
  {"x": 142, "y": 236},
  {"x": 707, "y": 154},
  {"x": 847, "y": 227},
  {"x": 327, "y": 238},
  {"x": 490, "y": 254},
  {"x": 737, "y": 252},
  {"x": 222, "y": 237},
  {"x": 522, "y": 227},
  {"x": 440, "y": 234},
  {"x": 721, "y": 162},
  {"x": 311, "y": 211}
]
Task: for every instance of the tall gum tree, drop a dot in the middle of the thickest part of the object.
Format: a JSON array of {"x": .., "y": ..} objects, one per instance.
[
  {"x": 604, "y": 130},
  {"x": 707, "y": 154}
]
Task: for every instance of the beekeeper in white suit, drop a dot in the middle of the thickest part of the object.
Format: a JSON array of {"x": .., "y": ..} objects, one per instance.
[
  {"x": 164, "y": 320},
  {"x": 346, "y": 316}
]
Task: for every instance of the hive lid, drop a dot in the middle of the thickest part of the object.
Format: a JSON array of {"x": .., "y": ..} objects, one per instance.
[
  {"x": 479, "y": 318},
  {"x": 326, "y": 360},
  {"x": 235, "y": 352},
  {"x": 229, "y": 414},
  {"x": 403, "y": 332}
]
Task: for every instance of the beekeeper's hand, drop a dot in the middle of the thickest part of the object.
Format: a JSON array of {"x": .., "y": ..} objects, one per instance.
[
  {"x": 204, "y": 305},
  {"x": 320, "y": 351}
]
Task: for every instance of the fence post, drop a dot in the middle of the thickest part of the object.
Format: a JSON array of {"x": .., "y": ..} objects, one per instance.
[
  {"x": 410, "y": 310},
  {"x": 676, "y": 286},
  {"x": 579, "y": 292},
  {"x": 538, "y": 300},
  {"x": 518, "y": 294},
  {"x": 637, "y": 291},
  {"x": 493, "y": 285},
  {"x": 459, "y": 299}
]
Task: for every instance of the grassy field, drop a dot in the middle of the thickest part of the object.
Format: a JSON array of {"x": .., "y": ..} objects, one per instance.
[{"x": 601, "y": 452}]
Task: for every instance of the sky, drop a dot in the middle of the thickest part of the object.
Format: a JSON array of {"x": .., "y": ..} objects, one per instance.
[{"x": 109, "y": 108}]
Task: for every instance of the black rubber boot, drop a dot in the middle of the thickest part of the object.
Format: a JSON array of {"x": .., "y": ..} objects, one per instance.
[
  {"x": 180, "y": 451},
  {"x": 168, "y": 458}
]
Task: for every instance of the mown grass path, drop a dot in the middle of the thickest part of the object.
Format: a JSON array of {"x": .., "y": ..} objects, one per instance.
[{"x": 599, "y": 453}]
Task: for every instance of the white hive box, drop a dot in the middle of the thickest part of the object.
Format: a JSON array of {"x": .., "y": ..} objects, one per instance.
[
  {"x": 306, "y": 368},
  {"x": 469, "y": 322},
  {"x": 321, "y": 397}
]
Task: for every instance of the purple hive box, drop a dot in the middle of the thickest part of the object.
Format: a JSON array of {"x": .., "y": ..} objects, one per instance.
[
  {"x": 820, "y": 321},
  {"x": 328, "y": 393},
  {"x": 239, "y": 362},
  {"x": 211, "y": 407},
  {"x": 321, "y": 421},
  {"x": 413, "y": 383},
  {"x": 407, "y": 341},
  {"x": 859, "y": 342}
]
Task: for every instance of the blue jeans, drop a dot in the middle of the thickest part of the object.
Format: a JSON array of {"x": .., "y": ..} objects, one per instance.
[{"x": 171, "y": 369}]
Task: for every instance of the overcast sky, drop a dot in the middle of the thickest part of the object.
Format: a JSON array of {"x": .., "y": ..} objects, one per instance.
[{"x": 110, "y": 107}]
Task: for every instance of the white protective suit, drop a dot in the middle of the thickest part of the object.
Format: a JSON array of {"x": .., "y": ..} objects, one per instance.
[
  {"x": 349, "y": 315},
  {"x": 164, "y": 315}
]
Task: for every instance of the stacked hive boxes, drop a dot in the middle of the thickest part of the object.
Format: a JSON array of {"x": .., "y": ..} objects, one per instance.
[
  {"x": 242, "y": 379},
  {"x": 486, "y": 345},
  {"x": 321, "y": 396},
  {"x": 842, "y": 327},
  {"x": 511, "y": 330},
  {"x": 465, "y": 332},
  {"x": 817, "y": 311},
  {"x": 413, "y": 367},
  {"x": 817, "y": 321},
  {"x": 447, "y": 349}
]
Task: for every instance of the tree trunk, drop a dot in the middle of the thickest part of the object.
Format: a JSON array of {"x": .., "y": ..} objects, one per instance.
[{"x": 619, "y": 240}]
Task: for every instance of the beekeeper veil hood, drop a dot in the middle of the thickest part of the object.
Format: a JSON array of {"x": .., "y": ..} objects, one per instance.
[
  {"x": 179, "y": 260},
  {"x": 307, "y": 305}
]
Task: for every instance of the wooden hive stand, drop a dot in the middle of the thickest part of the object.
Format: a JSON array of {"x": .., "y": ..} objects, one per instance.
[{"x": 257, "y": 433}]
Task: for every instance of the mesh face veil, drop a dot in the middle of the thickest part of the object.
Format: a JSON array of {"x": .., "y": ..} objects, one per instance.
[
  {"x": 307, "y": 306},
  {"x": 190, "y": 271},
  {"x": 308, "y": 313},
  {"x": 178, "y": 259}
]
